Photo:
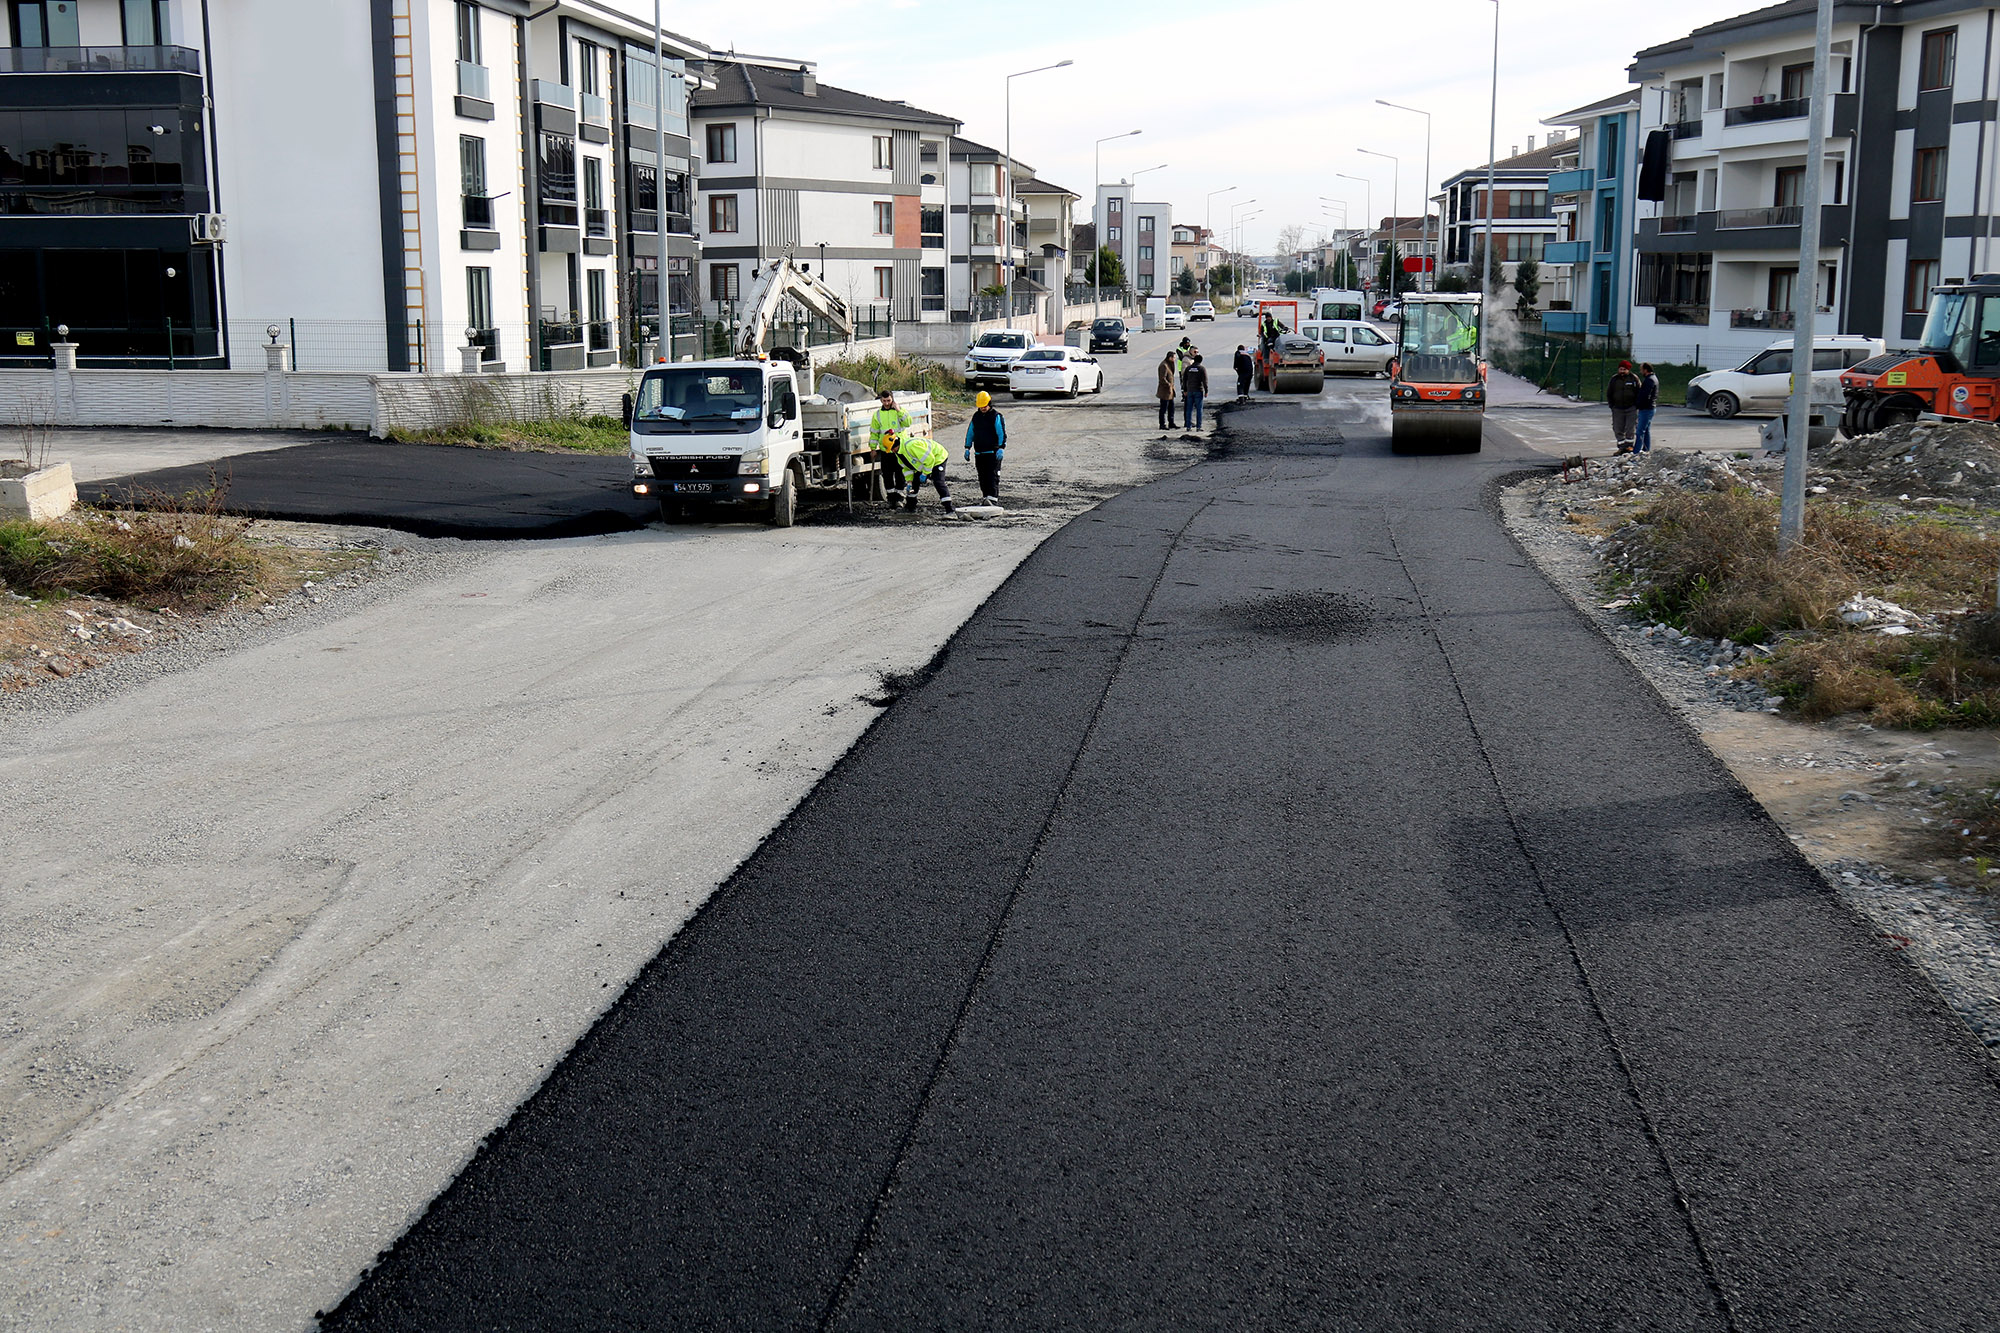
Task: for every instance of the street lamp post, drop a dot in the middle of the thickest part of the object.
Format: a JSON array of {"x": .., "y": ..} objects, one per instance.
[
  {"x": 1367, "y": 198},
  {"x": 1395, "y": 211},
  {"x": 1234, "y": 236},
  {"x": 1207, "y": 210},
  {"x": 1430, "y": 283},
  {"x": 1008, "y": 200},
  {"x": 1492, "y": 139},
  {"x": 1097, "y": 190}
]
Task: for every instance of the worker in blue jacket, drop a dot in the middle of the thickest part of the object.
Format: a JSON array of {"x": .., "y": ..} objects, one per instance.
[{"x": 986, "y": 445}]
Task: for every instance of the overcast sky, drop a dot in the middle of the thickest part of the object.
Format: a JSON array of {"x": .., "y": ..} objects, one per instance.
[{"x": 1271, "y": 97}]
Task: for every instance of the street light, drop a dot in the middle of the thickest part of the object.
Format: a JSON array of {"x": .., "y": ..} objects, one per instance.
[
  {"x": 1395, "y": 209},
  {"x": 1097, "y": 192},
  {"x": 1492, "y": 135},
  {"x": 1238, "y": 255},
  {"x": 1207, "y": 210},
  {"x": 1008, "y": 221},
  {"x": 1367, "y": 198},
  {"x": 1431, "y": 282},
  {"x": 1240, "y": 224}
]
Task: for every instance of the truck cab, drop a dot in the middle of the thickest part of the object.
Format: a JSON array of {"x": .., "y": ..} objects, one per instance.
[{"x": 718, "y": 432}]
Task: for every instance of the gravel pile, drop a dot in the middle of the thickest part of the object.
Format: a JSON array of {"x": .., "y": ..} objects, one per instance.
[{"x": 1934, "y": 460}]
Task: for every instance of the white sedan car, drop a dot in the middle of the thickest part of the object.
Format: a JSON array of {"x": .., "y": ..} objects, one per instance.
[
  {"x": 1064, "y": 370},
  {"x": 1174, "y": 318},
  {"x": 1352, "y": 346}
]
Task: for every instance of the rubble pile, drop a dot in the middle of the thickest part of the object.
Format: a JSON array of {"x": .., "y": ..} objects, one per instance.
[{"x": 1957, "y": 461}]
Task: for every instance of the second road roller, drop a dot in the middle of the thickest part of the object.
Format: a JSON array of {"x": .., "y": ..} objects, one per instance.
[{"x": 1437, "y": 383}]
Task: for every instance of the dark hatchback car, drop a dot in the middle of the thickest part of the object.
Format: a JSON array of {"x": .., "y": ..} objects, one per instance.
[{"x": 1108, "y": 335}]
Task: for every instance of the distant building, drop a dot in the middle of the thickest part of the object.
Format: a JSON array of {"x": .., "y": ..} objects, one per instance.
[
  {"x": 1594, "y": 203},
  {"x": 1140, "y": 234},
  {"x": 1524, "y": 222}
]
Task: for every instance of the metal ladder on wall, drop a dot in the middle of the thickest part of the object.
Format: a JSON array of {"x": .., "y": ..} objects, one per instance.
[{"x": 414, "y": 300}]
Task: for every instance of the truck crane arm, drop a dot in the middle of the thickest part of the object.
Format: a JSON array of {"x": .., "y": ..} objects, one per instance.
[{"x": 775, "y": 281}]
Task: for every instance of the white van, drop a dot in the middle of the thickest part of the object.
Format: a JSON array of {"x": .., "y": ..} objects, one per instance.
[
  {"x": 1763, "y": 383},
  {"x": 1352, "y": 346}
]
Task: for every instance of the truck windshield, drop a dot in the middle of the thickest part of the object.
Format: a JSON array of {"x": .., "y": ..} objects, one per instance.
[
  {"x": 1949, "y": 323},
  {"x": 1340, "y": 310},
  {"x": 1440, "y": 328},
  {"x": 700, "y": 393}
]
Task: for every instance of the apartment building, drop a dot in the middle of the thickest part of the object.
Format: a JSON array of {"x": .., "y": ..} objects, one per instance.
[
  {"x": 469, "y": 171},
  {"x": 1050, "y": 214},
  {"x": 981, "y": 238},
  {"x": 1907, "y": 189},
  {"x": 1524, "y": 220},
  {"x": 1594, "y": 206},
  {"x": 1140, "y": 234},
  {"x": 852, "y": 184},
  {"x": 1405, "y": 233},
  {"x": 1195, "y": 251}
]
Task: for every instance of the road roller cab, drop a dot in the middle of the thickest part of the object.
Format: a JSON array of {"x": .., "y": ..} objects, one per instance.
[
  {"x": 1955, "y": 371},
  {"x": 1437, "y": 383}
]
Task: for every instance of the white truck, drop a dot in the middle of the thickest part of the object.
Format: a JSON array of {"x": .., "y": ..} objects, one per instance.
[{"x": 749, "y": 432}]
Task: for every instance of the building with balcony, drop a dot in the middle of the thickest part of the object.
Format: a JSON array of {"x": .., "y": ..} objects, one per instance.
[
  {"x": 1523, "y": 215},
  {"x": 984, "y": 240},
  {"x": 854, "y": 185},
  {"x": 1051, "y": 218},
  {"x": 384, "y": 183},
  {"x": 1195, "y": 251},
  {"x": 1140, "y": 234},
  {"x": 1594, "y": 206},
  {"x": 1405, "y": 235}
]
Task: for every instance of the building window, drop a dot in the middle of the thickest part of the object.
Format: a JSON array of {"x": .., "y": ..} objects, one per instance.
[
  {"x": 1795, "y": 82},
  {"x": 1115, "y": 204},
  {"x": 885, "y": 219},
  {"x": 586, "y": 68},
  {"x": 1146, "y": 225},
  {"x": 558, "y": 168},
  {"x": 985, "y": 178},
  {"x": 1113, "y": 235},
  {"x": 885, "y": 284},
  {"x": 645, "y": 192},
  {"x": 1783, "y": 288},
  {"x": 145, "y": 22},
  {"x": 722, "y": 213},
  {"x": 722, "y": 283},
  {"x": 45, "y": 23},
  {"x": 1938, "y": 67},
  {"x": 933, "y": 293},
  {"x": 1919, "y": 276},
  {"x": 722, "y": 144},
  {"x": 1145, "y": 252},
  {"x": 598, "y": 304},
  {"x": 472, "y": 182},
  {"x": 479, "y": 298},
  {"x": 931, "y": 224},
  {"x": 1790, "y": 188},
  {"x": 885, "y": 152},
  {"x": 468, "y": 32},
  {"x": 1607, "y": 223},
  {"x": 593, "y": 183},
  {"x": 985, "y": 229},
  {"x": 1927, "y": 176}
]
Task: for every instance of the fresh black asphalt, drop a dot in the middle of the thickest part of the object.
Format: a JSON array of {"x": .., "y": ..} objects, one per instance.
[
  {"x": 432, "y": 490},
  {"x": 1278, "y": 910}
]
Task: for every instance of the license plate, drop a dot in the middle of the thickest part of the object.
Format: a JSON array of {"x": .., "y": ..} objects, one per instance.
[{"x": 693, "y": 487}]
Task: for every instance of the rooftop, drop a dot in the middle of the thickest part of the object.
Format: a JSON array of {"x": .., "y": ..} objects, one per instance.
[{"x": 738, "y": 84}]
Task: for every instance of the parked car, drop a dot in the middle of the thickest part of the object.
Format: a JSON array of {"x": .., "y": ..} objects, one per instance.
[
  {"x": 1108, "y": 335},
  {"x": 1202, "y": 310},
  {"x": 1762, "y": 383},
  {"x": 1064, "y": 370},
  {"x": 992, "y": 353},
  {"x": 1174, "y": 318},
  {"x": 1352, "y": 347}
]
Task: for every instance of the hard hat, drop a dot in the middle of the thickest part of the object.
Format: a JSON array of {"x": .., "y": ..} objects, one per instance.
[{"x": 984, "y": 399}]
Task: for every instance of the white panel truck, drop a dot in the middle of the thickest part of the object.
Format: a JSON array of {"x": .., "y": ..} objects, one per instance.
[{"x": 748, "y": 433}]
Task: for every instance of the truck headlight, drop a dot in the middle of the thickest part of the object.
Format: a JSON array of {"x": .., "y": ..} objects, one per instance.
[{"x": 757, "y": 464}]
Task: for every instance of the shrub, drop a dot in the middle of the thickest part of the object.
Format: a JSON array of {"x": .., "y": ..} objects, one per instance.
[
  {"x": 184, "y": 551},
  {"x": 904, "y": 374}
]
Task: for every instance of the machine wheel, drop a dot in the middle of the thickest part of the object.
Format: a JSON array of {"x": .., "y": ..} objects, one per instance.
[
  {"x": 1723, "y": 405},
  {"x": 785, "y": 501},
  {"x": 1899, "y": 411}
]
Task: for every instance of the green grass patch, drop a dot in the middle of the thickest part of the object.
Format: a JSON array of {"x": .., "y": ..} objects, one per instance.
[
  {"x": 903, "y": 374},
  {"x": 182, "y": 552},
  {"x": 575, "y": 434}
]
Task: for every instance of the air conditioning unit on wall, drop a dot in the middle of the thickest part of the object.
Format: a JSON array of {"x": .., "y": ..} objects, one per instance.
[{"x": 210, "y": 228}]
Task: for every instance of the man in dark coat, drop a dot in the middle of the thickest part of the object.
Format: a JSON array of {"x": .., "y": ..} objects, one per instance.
[
  {"x": 1621, "y": 395},
  {"x": 1246, "y": 366}
]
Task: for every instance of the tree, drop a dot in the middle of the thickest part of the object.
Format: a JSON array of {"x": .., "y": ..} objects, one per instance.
[
  {"x": 1106, "y": 269},
  {"x": 1222, "y": 277},
  {"x": 1528, "y": 283},
  {"x": 1451, "y": 280},
  {"x": 1496, "y": 272},
  {"x": 1291, "y": 237},
  {"x": 1185, "y": 283},
  {"x": 1389, "y": 276}
]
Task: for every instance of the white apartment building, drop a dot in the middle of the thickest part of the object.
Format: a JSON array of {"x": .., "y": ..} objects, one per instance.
[
  {"x": 472, "y": 164},
  {"x": 851, "y": 184},
  {"x": 1050, "y": 214},
  {"x": 1140, "y": 234},
  {"x": 1908, "y": 184}
]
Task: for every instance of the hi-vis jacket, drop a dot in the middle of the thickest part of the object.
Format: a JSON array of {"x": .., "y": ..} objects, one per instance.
[
  {"x": 920, "y": 454},
  {"x": 897, "y": 420}
]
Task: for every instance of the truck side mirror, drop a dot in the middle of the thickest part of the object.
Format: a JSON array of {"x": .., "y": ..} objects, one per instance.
[
  {"x": 791, "y": 405},
  {"x": 625, "y": 410}
]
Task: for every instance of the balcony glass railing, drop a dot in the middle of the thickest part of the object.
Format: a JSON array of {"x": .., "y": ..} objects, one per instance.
[
  {"x": 1762, "y": 319},
  {"x": 478, "y": 212},
  {"x": 489, "y": 340},
  {"x": 596, "y": 222},
  {"x": 1786, "y": 108},
  {"x": 1677, "y": 222},
  {"x": 554, "y": 94},
  {"x": 1680, "y": 313},
  {"x": 473, "y": 81},
  {"x": 1686, "y": 129},
  {"x": 99, "y": 60},
  {"x": 595, "y": 110},
  {"x": 560, "y": 332},
  {"x": 600, "y": 335},
  {"x": 1731, "y": 219}
]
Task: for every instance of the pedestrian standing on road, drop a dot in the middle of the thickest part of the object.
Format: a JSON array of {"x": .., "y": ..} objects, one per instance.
[
  {"x": 921, "y": 457},
  {"x": 1246, "y": 366},
  {"x": 1194, "y": 388},
  {"x": 1165, "y": 391},
  {"x": 1621, "y": 395},
  {"x": 888, "y": 418},
  {"x": 986, "y": 446},
  {"x": 1649, "y": 402}
]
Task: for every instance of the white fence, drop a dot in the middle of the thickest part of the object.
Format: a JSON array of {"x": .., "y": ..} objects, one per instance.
[{"x": 280, "y": 398}]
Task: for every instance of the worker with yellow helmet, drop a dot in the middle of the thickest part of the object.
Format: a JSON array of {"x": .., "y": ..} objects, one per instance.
[
  {"x": 920, "y": 457},
  {"x": 986, "y": 445}
]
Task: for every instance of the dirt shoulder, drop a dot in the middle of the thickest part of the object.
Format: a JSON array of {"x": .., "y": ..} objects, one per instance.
[{"x": 1878, "y": 811}]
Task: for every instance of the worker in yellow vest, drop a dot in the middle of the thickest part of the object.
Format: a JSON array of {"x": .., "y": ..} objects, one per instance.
[
  {"x": 888, "y": 418},
  {"x": 920, "y": 457}
]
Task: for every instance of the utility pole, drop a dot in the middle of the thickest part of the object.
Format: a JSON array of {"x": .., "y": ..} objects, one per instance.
[
  {"x": 1492, "y": 140},
  {"x": 1430, "y": 276},
  {"x": 663, "y": 320},
  {"x": 1007, "y": 200},
  {"x": 1395, "y": 212},
  {"x": 1805, "y": 297}
]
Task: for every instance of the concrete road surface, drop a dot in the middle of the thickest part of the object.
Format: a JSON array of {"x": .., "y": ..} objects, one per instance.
[{"x": 1280, "y": 910}]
